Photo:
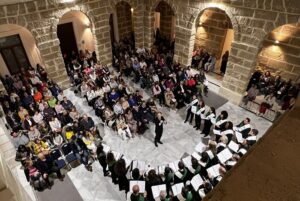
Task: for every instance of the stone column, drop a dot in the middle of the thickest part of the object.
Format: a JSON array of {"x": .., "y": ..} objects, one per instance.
[
  {"x": 148, "y": 25},
  {"x": 138, "y": 23},
  {"x": 54, "y": 63},
  {"x": 241, "y": 63},
  {"x": 102, "y": 33},
  {"x": 184, "y": 44}
]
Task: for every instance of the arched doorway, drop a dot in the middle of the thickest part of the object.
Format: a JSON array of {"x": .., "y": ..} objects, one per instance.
[
  {"x": 214, "y": 35},
  {"x": 277, "y": 73},
  {"x": 164, "y": 25},
  {"x": 18, "y": 50},
  {"x": 75, "y": 35},
  {"x": 279, "y": 52},
  {"x": 125, "y": 24}
]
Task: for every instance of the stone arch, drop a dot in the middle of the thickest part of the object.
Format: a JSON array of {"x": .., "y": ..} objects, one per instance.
[
  {"x": 231, "y": 24},
  {"x": 167, "y": 17},
  {"x": 149, "y": 33},
  {"x": 84, "y": 28},
  {"x": 169, "y": 2},
  {"x": 28, "y": 41},
  {"x": 279, "y": 52},
  {"x": 234, "y": 21},
  {"x": 60, "y": 13}
]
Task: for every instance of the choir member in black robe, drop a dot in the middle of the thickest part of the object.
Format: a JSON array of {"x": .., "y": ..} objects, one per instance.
[
  {"x": 210, "y": 116},
  {"x": 244, "y": 127}
]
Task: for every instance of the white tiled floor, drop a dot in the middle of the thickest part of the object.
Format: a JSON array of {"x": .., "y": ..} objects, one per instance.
[{"x": 178, "y": 138}]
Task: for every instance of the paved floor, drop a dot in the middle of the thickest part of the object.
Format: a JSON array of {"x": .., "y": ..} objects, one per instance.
[{"x": 179, "y": 138}]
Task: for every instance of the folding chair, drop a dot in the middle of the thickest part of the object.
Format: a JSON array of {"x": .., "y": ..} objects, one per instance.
[
  {"x": 68, "y": 153},
  {"x": 58, "y": 158}
]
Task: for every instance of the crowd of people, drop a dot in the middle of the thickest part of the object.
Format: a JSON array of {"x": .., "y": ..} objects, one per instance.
[
  {"x": 43, "y": 121},
  {"x": 202, "y": 59},
  {"x": 274, "y": 89},
  {"x": 126, "y": 111}
]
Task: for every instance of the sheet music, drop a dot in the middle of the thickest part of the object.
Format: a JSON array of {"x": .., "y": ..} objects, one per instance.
[
  {"x": 224, "y": 155},
  {"x": 141, "y": 184},
  {"x": 233, "y": 146},
  {"x": 106, "y": 148},
  {"x": 214, "y": 170},
  {"x": 174, "y": 166},
  {"x": 116, "y": 154},
  {"x": 187, "y": 161},
  {"x": 196, "y": 182},
  {"x": 157, "y": 189},
  {"x": 177, "y": 188},
  {"x": 217, "y": 132},
  {"x": 141, "y": 165},
  {"x": 239, "y": 137},
  {"x": 199, "y": 147},
  {"x": 196, "y": 156}
]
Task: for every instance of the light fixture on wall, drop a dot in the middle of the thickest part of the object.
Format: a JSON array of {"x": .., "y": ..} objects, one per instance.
[
  {"x": 132, "y": 10},
  {"x": 200, "y": 24},
  {"x": 276, "y": 42},
  {"x": 67, "y": 1}
]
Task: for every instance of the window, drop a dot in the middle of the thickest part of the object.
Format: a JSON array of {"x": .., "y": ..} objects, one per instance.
[{"x": 14, "y": 54}]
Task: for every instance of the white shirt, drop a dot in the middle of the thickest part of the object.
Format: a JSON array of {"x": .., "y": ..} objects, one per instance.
[{"x": 38, "y": 118}]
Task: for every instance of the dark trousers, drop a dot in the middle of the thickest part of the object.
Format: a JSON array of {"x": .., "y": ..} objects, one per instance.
[
  {"x": 188, "y": 115},
  {"x": 197, "y": 121},
  {"x": 103, "y": 165},
  {"x": 207, "y": 126},
  {"x": 158, "y": 135}
]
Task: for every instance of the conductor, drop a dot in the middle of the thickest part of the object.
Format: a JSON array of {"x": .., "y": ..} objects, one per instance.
[{"x": 159, "y": 121}]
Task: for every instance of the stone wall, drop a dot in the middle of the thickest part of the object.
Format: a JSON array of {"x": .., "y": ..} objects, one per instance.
[
  {"x": 283, "y": 58},
  {"x": 41, "y": 18},
  {"x": 252, "y": 21},
  {"x": 211, "y": 30},
  {"x": 124, "y": 20},
  {"x": 166, "y": 17}
]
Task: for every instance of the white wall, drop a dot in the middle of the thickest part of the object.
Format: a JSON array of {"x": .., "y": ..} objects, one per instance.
[
  {"x": 28, "y": 41},
  {"x": 82, "y": 30}
]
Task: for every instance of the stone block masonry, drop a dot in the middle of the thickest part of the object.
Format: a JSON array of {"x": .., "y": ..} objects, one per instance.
[{"x": 251, "y": 21}]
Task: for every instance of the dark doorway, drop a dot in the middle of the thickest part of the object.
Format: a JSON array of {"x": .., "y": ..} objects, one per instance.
[
  {"x": 13, "y": 53},
  {"x": 66, "y": 35}
]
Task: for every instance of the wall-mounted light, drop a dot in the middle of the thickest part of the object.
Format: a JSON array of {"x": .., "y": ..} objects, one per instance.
[
  {"x": 67, "y": 1},
  {"x": 200, "y": 24},
  {"x": 131, "y": 10},
  {"x": 276, "y": 42}
]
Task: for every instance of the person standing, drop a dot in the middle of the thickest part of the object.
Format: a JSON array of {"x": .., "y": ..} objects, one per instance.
[
  {"x": 159, "y": 121},
  {"x": 191, "y": 109},
  {"x": 224, "y": 62}
]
